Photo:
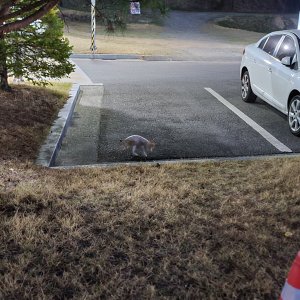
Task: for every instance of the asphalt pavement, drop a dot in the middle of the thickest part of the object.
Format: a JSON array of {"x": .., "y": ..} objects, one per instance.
[{"x": 168, "y": 102}]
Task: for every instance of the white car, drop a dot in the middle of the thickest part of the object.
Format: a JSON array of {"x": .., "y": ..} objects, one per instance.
[{"x": 270, "y": 69}]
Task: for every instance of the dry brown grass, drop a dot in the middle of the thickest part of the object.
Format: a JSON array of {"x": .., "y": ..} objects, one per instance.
[
  {"x": 149, "y": 39},
  {"x": 141, "y": 39},
  {"x": 225, "y": 230},
  {"x": 25, "y": 117}
]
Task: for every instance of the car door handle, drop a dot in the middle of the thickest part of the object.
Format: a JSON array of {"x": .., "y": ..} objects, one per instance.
[{"x": 270, "y": 70}]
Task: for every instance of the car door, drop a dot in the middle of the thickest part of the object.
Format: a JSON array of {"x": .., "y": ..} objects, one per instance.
[
  {"x": 262, "y": 68},
  {"x": 282, "y": 76}
]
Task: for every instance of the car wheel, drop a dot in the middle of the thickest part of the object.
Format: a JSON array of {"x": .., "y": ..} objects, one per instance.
[
  {"x": 294, "y": 115},
  {"x": 246, "y": 91}
]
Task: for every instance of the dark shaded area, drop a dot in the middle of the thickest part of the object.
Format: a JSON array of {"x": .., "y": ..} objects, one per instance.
[
  {"x": 255, "y": 6},
  {"x": 258, "y": 23}
]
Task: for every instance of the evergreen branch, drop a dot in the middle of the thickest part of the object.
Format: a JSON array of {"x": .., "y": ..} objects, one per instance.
[
  {"x": 23, "y": 9},
  {"x": 5, "y": 28}
]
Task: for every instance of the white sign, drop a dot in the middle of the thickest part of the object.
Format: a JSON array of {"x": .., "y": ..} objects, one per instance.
[{"x": 135, "y": 8}]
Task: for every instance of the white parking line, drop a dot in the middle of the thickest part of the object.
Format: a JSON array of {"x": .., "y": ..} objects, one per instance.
[{"x": 264, "y": 133}]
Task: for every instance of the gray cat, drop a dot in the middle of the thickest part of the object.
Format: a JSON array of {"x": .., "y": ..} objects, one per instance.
[{"x": 138, "y": 143}]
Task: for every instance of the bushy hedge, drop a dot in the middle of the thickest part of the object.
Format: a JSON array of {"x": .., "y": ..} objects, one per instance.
[{"x": 257, "y": 23}]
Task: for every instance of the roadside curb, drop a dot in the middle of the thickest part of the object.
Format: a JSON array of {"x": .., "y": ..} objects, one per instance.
[
  {"x": 50, "y": 148},
  {"x": 157, "y": 163},
  {"x": 105, "y": 56},
  {"x": 80, "y": 143},
  {"x": 126, "y": 56},
  {"x": 149, "y": 57}
]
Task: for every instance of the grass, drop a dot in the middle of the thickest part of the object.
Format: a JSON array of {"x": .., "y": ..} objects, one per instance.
[
  {"x": 151, "y": 39},
  {"x": 226, "y": 230},
  {"x": 142, "y": 36},
  {"x": 141, "y": 39},
  {"x": 25, "y": 118}
]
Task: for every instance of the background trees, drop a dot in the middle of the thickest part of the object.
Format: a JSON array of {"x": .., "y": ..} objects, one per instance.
[
  {"x": 113, "y": 14},
  {"x": 255, "y": 6}
]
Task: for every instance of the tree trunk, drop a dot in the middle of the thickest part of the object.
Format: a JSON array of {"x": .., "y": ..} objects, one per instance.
[
  {"x": 3, "y": 55},
  {"x": 4, "y": 79},
  {"x": 3, "y": 67}
]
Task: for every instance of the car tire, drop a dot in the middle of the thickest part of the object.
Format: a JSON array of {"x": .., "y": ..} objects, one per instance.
[
  {"x": 294, "y": 115},
  {"x": 246, "y": 90}
]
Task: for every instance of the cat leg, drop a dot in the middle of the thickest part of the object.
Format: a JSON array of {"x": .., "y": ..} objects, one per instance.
[
  {"x": 134, "y": 151},
  {"x": 144, "y": 151}
]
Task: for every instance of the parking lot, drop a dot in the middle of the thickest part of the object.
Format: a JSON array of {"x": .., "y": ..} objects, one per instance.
[{"x": 191, "y": 110}]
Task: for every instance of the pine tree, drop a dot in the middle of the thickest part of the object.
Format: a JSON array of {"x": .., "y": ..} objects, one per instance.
[
  {"x": 15, "y": 15},
  {"x": 39, "y": 51}
]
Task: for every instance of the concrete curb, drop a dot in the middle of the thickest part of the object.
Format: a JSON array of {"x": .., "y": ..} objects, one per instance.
[
  {"x": 152, "y": 58},
  {"x": 180, "y": 161},
  {"x": 105, "y": 56},
  {"x": 80, "y": 144},
  {"x": 50, "y": 148},
  {"x": 126, "y": 56}
]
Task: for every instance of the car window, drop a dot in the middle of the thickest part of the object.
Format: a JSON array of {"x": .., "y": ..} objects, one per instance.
[
  {"x": 271, "y": 44},
  {"x": 287, "y": 48},
  {"x": 262, "y": 43}
]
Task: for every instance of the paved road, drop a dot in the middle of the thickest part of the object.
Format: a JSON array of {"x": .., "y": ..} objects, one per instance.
[{"x": 167, "y": 101}]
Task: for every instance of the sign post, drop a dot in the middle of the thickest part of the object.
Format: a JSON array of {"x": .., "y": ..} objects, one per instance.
[
  {"x": 135, "y": 8},
  {"x": 93, "y": 26}
]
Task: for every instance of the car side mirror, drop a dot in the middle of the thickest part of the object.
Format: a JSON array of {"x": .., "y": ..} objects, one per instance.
[{"x": 287, "y": 61}]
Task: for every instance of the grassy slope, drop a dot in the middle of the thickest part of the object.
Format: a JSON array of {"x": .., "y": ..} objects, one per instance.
[
  {"x": 215, "y": 230},
  {"x": 148, "y": 39},
  {"x": 141, "y": 39},
  {"x": 25, "y": 118}
]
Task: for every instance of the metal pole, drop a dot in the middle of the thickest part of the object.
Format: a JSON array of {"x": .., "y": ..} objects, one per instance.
[
  {"x": 299, "y": 22},
  {"x": 93, "y": 26}
]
